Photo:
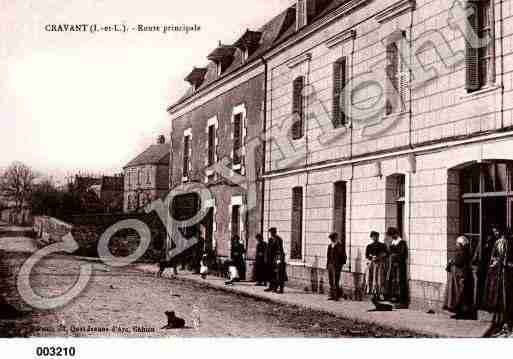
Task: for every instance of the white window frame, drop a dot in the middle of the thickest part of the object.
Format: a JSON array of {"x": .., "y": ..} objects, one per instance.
[
  {"x": 211, "y": 122},
  {"x": 240, "y": 110}
]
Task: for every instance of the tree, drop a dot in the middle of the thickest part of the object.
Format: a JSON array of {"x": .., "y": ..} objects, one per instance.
[{"x": 16, "y": 184}]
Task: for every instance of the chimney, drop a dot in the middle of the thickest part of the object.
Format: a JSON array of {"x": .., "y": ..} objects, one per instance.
[
  {"x": 305, "y": 11},
  {"x": 161, "y": 140}
]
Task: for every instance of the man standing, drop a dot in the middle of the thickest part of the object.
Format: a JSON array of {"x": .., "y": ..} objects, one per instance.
[
  {"x": 276, "y": 260},
  {"x": 336, "y": 259}
]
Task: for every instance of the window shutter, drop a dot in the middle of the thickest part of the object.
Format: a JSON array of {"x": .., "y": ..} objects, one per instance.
[
  {"x": 297, "y": 224},
  {"x": 297, "y": 108},
  {"x": 237, "y": 138},
  {"x": 339, "y": 82},
  {"x": 392, "y": 72},
  {"x": 235, "y": 220},
  {"x": 186, "y": 146},
  {"x": 472, "y": 82},
  {"x": 211, "y": 144}
]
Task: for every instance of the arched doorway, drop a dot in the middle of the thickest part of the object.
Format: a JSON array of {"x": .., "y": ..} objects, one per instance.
[{"x": 486, "y": 191}]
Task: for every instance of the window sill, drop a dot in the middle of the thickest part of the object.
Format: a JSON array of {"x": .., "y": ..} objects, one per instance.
[
  {"x": 481, "y": 92},
  {"x": 237, "y": 167},
  {"x": 297, "y": 263},
  {"x": 185, "y": 179}
]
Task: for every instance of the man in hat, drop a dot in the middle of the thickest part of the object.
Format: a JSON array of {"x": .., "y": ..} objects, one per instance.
[
  {"x": 336, "y": 259},
  {"x": 276, "y": 260}
]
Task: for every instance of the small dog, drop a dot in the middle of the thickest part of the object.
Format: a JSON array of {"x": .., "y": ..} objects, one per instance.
[
  {"x": 382, "y": 306},
  {"x": 163, "y": 265},
  {"x": 173, "y": 322}
]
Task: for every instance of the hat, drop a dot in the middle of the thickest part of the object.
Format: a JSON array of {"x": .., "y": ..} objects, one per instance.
[{"x": 333, "y": 235}]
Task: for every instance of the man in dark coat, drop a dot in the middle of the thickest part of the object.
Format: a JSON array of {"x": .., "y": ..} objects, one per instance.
[
  {"x": 276, "y": 260},
  {"x": 261, "y": 271},
  {"x": 336, "y": 259}
]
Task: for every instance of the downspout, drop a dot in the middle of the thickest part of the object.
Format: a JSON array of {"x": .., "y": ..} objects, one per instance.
[
  {"x": 501, "y": 28},
  {"x": 264, "y": 146}
]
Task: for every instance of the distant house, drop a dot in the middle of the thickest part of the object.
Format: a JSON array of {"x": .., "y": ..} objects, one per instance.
[
  {"x": 99, "y": 194},
  {"x": 147, "y": 176}
]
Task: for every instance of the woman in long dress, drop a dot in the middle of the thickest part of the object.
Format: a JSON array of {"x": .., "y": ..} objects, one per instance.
[
  {"x": 376, "y": 253},
  {"x": 459, "y": 296},
  {"x": 499, "y": 284},
  {"x": 397, "y": 276}
]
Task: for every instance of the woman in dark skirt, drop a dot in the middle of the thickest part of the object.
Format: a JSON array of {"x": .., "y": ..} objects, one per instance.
[
  {"x": 499, "y": 284},
  {"x": 261, "y": 271},
  {"x": 397, "y": 277},
  {"x": 459, "y": 296}
]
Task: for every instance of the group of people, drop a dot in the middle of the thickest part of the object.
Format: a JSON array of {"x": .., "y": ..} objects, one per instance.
[
  {"x": 387, "y": 275},
  {"x": 494, "y": 262},
  {"x": 270, "y": 266}
]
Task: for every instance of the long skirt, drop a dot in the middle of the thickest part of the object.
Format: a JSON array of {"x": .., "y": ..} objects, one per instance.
[
  {"x": 375, "y": 278},
  {"x": 499, "y": 294},
  {"x": 397, "y": 283},
  {"x": 459, "y": 295}
]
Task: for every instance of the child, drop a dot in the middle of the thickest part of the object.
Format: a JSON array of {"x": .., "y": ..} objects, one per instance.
[{"x": 204, "y": 266}]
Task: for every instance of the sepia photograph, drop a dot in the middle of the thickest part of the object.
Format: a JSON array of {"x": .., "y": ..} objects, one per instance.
[{"x": 316, "y": 169}]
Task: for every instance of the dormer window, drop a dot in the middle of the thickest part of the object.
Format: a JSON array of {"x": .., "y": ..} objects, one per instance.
[
  {"x": 306, "y": 11},
  {"x": 196, "y": 78},
  {"x": 222, "y": 56},
  {"x": 248, "y": 43}
]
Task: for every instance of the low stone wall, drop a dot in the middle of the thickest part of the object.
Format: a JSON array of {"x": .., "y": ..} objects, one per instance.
[
  {"x": 87, "y": 231},
  {"x": 50, "y": 230}
]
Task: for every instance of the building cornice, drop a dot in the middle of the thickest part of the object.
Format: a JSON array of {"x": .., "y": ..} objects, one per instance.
[
  {"x": 341, "y": 38},
  {"x": 395, "y": 10}
]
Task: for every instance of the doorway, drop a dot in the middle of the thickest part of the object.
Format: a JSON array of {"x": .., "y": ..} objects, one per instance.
[{"x": 487, "y": 201}]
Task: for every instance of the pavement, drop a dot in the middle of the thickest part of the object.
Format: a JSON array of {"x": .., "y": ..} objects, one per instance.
[{"x": 438, "y": 324}]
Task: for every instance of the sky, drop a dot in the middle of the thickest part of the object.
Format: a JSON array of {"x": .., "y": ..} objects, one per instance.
[{"x": 87, "y": 102}]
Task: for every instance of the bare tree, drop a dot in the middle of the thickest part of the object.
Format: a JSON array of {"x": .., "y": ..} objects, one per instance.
[{"x": 16, "y": 184}]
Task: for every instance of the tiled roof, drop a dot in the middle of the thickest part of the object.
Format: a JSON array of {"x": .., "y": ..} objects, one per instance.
[
  {"x": 154, "y": 155},
  {"x": 274, "y": 32}
]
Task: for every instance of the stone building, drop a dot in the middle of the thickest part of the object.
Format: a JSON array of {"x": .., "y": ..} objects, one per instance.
[
  {"x": 216, "y": 122},
  {"x": 376, "y": 114},
  {"x": 400, "y": 116},
  {"x": 146, "y": 177}
]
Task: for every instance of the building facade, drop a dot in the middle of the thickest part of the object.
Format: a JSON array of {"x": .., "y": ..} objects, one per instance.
[
  {"x": 376, "y": 114},
  {"x": 146, "y": 177},
  {"x": 220, "y": 121},
  {"x": 399, "y": 115}
]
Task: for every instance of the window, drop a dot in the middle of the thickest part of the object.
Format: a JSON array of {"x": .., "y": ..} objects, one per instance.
[
  {"x": 211, "y": 144},
  {"x": 237, "y": 139},
  {"x": 301, "y": 14},
  {"x": 397, "y": 73},
  {"x": 139, "y": 177},
  {"x": 236, "y": 220},
  {"x": 186, "y": 156},
  {"x": 395, "y": 213},
  {"x": 297, "y": 108},
  {"x": 339, "y": 209},
  {"x": 148, "y": 176},
  {"x": 296, "y": 238},
  {"x": 339, "y": 83},
  {"x": 480, "y": 58}
]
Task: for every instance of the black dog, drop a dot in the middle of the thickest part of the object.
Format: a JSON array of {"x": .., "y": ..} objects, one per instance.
[
  {"x": 173, "y": 322},
  {"x": 163, "y": 265}
]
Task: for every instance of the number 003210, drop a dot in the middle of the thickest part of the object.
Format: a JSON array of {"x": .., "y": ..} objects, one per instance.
[{"x": 55, "y": 351}]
